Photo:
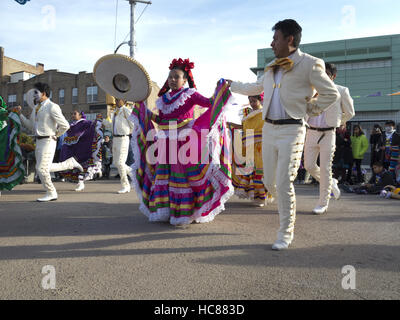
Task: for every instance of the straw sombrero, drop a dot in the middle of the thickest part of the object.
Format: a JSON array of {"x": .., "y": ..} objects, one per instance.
[
  {"x": 30, "y": 99},
  {"x": 122, "y": 77}
]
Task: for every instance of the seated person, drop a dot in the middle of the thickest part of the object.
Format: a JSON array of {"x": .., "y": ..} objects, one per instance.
[{"x": 380, "y": 178}]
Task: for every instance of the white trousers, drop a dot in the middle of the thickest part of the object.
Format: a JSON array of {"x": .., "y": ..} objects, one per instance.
[
  {"x": 282, "y": 150},
  {"x": 44, "y": 153},
  {"x": 325, "y": 148},
  {"x": 120, "y": 155}
]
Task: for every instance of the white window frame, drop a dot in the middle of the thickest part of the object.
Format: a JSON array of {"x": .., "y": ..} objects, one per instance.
[
  {"x": 61, "y": 98},
  {"x": 92, "y": 94},
  {"x": 12, "y": 100},
  {"x": 74, "y": 97}
]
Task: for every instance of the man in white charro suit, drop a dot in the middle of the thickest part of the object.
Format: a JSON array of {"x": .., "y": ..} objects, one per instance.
[
  {"x": 290, "y": 84},
  {"x": 122, "y": 130},
  {"x": 321, "y": 140},
  {"x": 47, "y": 123}
]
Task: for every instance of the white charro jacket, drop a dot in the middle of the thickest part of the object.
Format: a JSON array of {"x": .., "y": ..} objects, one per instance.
[
  {"x": 341, "y": 111},
  {"x": 344, "y": 108},
  {"x": 47, "y": 121},
  {"x": 297, "y": 87},
  {"x": 121, "y": 125}
]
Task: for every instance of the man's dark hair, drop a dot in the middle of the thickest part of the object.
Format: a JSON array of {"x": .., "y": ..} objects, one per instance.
[
  {"x": 43, "y": 88},
  {"x": 258, "y": 97},
  {"x": 390, "y": 123},
  {"x": 331, "y": 68},
  {"x": 378, "y": 164},
  {"x": 289, "y": 27}
]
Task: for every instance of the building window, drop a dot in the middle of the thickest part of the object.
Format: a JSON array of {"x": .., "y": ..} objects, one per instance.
[
  {"x": 91, "y": 94},
  {"x": 74, "y": 95},
  {"x": 25, "y": 101},
  {"x": 61, "y": 96},
  {"x": 364, "y": 65},
  {"x": 12, "y": 100}
]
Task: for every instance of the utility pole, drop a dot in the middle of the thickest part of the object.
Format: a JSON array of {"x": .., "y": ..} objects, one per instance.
[
  {"x": 131, "y": 42},
  {"x": 132, "y": 39}
]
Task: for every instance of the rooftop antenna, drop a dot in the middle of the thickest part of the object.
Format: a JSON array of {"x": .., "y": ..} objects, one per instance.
[{"x": 131, "y": 42}]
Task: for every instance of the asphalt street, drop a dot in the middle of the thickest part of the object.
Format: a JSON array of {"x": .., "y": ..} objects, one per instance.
[{"x": 102, "y": 247}]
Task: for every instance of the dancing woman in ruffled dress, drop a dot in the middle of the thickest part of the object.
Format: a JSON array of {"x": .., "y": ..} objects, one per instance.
[
  {"x": 12, "y": 170},
  {"x": 83, "y": 142},
  {"x": 182, "y": 171}
]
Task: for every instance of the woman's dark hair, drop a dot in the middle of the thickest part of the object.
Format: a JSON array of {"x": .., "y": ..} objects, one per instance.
[
  {"x": 289, "y": 27},
  {"x": 359, "y": 127},
  {"x": 43, "y": 88}
]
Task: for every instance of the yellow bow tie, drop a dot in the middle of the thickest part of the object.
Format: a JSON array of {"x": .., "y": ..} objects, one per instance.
[
  {"x": 284, "y": 63},
  {"x": 38, "y": 107}
]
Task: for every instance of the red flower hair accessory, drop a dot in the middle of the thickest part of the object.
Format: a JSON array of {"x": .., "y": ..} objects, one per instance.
[{"x": 184, "y": 64}]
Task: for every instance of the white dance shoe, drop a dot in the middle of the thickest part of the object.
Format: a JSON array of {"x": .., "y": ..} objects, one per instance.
[
  {"x": 318, "y": 210},
  {"x": 335, "y": 189},
  {"x": 270, "y": 200},
  {"x": 76, "y": 164},
  {"x": 124, "y": 190},
  {"x": 280, "y": 245},
  {"x": 48, "y": 197},
  {"x": 260, "y": 203},
  {"x": 80, "y": 187}
]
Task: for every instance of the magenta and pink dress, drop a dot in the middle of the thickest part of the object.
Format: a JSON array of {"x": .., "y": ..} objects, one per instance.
[{"x": 182, "y": 171}]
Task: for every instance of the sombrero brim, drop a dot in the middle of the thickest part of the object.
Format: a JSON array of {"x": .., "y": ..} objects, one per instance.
[
  {"x": 122, "y": 77},
  {"x": 30, "y": 99}
]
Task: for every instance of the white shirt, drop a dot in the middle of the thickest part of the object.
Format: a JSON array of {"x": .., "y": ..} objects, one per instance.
[
  {"x": 319, "y": 121},
  {"x": 276, "y": 110},
  {"x": 121, "y": 125}
]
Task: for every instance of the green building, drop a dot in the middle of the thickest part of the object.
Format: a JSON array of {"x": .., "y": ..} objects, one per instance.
[{"x": 369, "y": 67}]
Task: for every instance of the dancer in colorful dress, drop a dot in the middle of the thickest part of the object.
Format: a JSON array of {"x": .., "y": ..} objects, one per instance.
[
  {"x": 172, "y": 185},
  {"x": 83, "y": 141},
  {"x": 248, "y": 181},
  {"x": 12, "y": 170}
]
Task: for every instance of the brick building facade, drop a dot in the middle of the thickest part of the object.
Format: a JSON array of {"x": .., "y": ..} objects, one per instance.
[{"x": 70, "y": 91}]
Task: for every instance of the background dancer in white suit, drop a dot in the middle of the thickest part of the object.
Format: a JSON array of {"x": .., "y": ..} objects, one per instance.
[
  {"x": 47, "y": 123},
  {"x": 321, "y": 140},
  {"x": 289, "y": 83},
  {"x": 122, "y": 130}
]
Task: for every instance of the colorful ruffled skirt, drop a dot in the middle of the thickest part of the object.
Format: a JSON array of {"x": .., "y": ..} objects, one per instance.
[
  {"x": 183, "y": 191},
  {"x": 247, "y": 167},
  {"x": 12, "y": 170},
  {"x": 86, "y": 148}
]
